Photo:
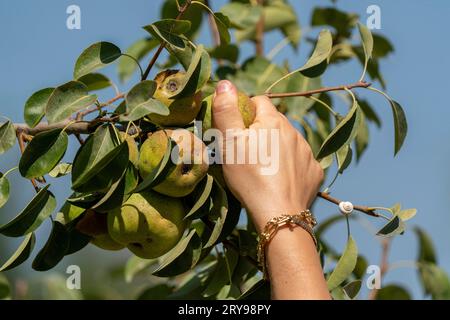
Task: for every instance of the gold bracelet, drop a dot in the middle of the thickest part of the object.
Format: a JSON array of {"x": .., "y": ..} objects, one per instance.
[{"x": 304, "y": 219}]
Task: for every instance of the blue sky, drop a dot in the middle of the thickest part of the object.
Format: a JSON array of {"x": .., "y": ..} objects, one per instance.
[{"x": 39, "y": 51}]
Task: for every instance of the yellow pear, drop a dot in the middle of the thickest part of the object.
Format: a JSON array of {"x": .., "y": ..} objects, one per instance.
[
  {"x": 246, "y": 106},
  {"x": 148, "y": 223},
  {"x": 182, "y": 177},
  {"x": 94, "y": 224},
  {"x": 182, "y": 111},
  {"x": 132, "y": 148}
]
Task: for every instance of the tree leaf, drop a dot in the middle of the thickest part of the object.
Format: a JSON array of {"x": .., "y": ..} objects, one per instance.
[
  {"x": 228, "y": 52},
  {"x": 317, "y": 63},
  {"x": 218, "y": 213},
  {"x": 169, "y": 10},
  {"x": 54, "y": 249},
  {"x": 407, "y": 214},
  {"x": 60, "y": 170},
  {"x": 342, "y": 22},
  {"x": 68, "y": 99},
  {"x": 4, "y": 190},
  {"x": 367, "y": 40},
  {"x": 222, "y": 274},
  {"x": 298, "y": 106},
  {"x": 400, "y": 125},
  {"x": 393, "y": 292},
  {"x": 427, "y": 253},
  {"x": 35, "y": 106},
  {"x": 39, "y": 209},
  {"x": 201, "y": 194},
  {"x": 5, "y": 288},
  {"x": 222, "y": 23},
  {"x": 344, "y": 158},
  {"x": 95, "y": 81},
  {"x": 244, "y": 15},
  {"x": 137, "y": 50},
  {"x": 393, "y": 227},
  {"x": 183, "y": 257},
  {"x": 345, "y": 265},
  {"x": 43, "y": 153},
  {"x": 352, "y": 289},
  {"x": 342, "y": 134},
  {"x": 196, "y": 76},
  {"x": 169, "y": 30},
  {"x": 140, "y": 102},
  {"x": 7, "y": 136},
  {"x": 105, "y": 171},
  {"x": 95, "y": 57},
  {"x": 135, "y": 265},
  {"x": 157, "y": 292},
  {"x": 369, "y": 112},
  {"x": 435, "y": 281},
  {"x": 22, "y": 253}
]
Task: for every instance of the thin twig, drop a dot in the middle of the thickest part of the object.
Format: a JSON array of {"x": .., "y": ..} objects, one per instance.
[
  {"x": 384, "y": 265},
  {"x": 20, "y": 138},
  {"x": 82, "y": 114},
  {"x": 363, "y": 209},
  {"x": 163, "y": 44},
  {"x": 213, "y": 26},
  {"x": 259, "y": 37},
  {"x": 360, "y": 84}
]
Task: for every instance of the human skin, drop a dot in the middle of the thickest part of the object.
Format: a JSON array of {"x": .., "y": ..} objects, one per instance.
[{"x": 293, "y": 262}]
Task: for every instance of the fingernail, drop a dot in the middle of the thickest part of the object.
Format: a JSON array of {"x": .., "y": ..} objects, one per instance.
[{"x": 223, "y": 86}]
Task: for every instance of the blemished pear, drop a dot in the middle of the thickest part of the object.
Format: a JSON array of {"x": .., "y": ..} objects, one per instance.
[
  {"x": 182, "y": 111},
  {"x": 246, "y": 106},
  {"x": 94, "y": 224},
  {"x": 148, "y": 223},
  {"x": 132, "y": 148},
  {"x": 182, "y": 177}
]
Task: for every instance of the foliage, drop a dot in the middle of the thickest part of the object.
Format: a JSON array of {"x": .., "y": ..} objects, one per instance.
[{"x": 216, "y": 258}]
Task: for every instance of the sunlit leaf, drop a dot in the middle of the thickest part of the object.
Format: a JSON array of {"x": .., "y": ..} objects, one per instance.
[
  {"x": 345, "y": 265},
  {"x": 21, "y": 254},
  {"x": 427, "y": 252},
  {"x": 7, "y": 136},
  {"x": 96, "y": 56},
  {"x": 60, "y": 170},
  {"x": 95, "y": 81},
  {"x": 169, "y": 30},
  {"x": 4, "y": 190},
  {"x": 318, "y": 61},
  {"x": 201, "y": 195},
  {"x": 35, "y": 106},
  {"x": 393, "y": 227}
]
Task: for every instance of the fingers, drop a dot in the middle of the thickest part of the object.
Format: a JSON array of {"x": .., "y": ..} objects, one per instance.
[
  {"x": 264, "y": 107},
  {"x": 225, "y": 110}
]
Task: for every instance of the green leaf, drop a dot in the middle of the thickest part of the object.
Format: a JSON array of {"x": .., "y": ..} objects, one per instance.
[
  {"x": 5, "y": 288},
  {"x": 369, "y": 112},
  {"x": 140, "y": 102},
  {"x": 196, "y": 76},
  {"x": 218, "y": 213},
  {"x": 318, "y": 61},
  {"x": 35, "y": 106},
  {"x": 105, "y": 171},
  {"x": 95, "y": 57},
  {"x": 228, "y": 52},
  {"x": 342, "y": 22},
  {"x": 135, "y": 265},
  {"x": 4, "y": 190},
  {"x": 43, "y": 153},
  {"x": 157, "y": 292},
  {"x": 345, "y": 265},
  {"x": 352, "y": 289},
  {"x": 60, "y": 170},
  {"x": 169, "y": 30},
  {"x": 244, "y": 15},
  {"x": 200, "y": 195},
  {"x": 170, "y": 10},
  {"x": 222, "y": 23},
  {"x": 393, "y": 227},
  {"x": 7, "y": 136},
  {"x": 362, "y": 137},
  {"x": 259, "y": 291},
  {"x": 39, "y": 209},
  {"x": 400, "y": 125},
  {"x": 68, "y": 99},
  {"x": 22, "y": 253},
  {"x": 367, "y": 40},
  {"x": 95, "y": 81},
  {"x": 344, "y": 132},
  {"x": 183, "y": 257},
  {"x": 435, "y": 281},
  {"x": 393, "y": 292},
  {"x": 427, "y": 253},
  {"x": 407, "y": 214},
  {"x": 184, "y": 56},
  {"x": 298, "y": 106},
  {"x": 344, "y": 158},
  {"x": 138, "y": 50},
  {"x": 54, "y": 249},
  {"x": 220, "y": 277}
]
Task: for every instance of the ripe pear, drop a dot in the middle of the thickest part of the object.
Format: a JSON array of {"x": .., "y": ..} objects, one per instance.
[
  {"x": 182, "y": 177},
  {"x": 94, "y": 224},
  {"x": 182, "y": 111},
  {"x": 148, "y": 223},
  {"x": 132, "y": 148},
  {"x": 246, "y": 106}
]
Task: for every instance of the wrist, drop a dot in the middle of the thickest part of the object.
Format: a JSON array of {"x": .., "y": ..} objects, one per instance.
[{"x": 262, "y": 215}]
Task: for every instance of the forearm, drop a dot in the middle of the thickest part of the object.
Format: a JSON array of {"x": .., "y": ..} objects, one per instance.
[{"x": 294, "y": 266}]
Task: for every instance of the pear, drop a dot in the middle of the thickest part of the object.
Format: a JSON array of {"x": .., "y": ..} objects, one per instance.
[
  {"x": 182, "y": 111},
  {"x": 181, "y": 178},
  {"x": 132, "y": 148},
  {"x": 94, "y": 224},
  {"x": 246, "y": 106},
  {"x": 148, "y": 223}
]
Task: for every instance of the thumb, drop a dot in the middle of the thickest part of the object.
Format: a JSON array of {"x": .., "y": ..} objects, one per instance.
[{"x": 225, "y": 110}]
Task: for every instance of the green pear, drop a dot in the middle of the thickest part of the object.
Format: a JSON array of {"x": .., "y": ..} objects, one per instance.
[
  {"x": 132, "y": 148},
  {"x": 148, "y": 223},
  {"x": 95, "y": 225},
  {"x": 180, "y": 179},
  {"x": 246, "y": 106},
  {"x": 182, "y": 111}
]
